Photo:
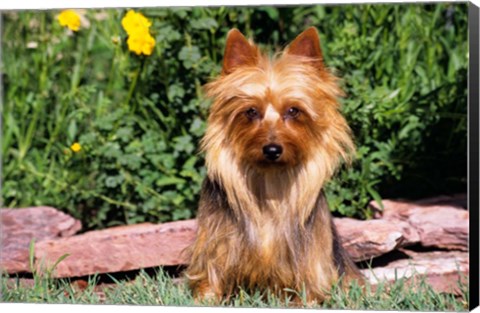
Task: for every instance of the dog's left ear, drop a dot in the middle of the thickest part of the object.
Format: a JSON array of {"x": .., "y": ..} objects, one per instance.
[{"x": 307, "y": 44}]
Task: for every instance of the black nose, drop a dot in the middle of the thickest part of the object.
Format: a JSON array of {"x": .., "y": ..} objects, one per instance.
[{"x": 272, "y": 151}]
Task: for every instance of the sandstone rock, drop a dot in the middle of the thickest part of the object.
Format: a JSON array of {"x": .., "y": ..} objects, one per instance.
[
  {"x": 138, "y": 246},
  {"x": 439, "y": 226},
  {"x": 133, "y": 247},
  {"x": 20, "y": 226},
  {"x": 367, "y": 239},
  {"x": 117, "y": 249},
  {"x": 443, "y": 270}
]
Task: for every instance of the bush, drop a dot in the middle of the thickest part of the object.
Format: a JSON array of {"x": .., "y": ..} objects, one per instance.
[{"x": 138, "y": 119}]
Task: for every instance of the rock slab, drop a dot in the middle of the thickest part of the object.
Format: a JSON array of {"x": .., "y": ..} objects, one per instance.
[
  {"x": 443, "y": 270},
  {"x": 117, "y": 249},
  {"x": 441, "y": 226},
  {"x": 138, "y": 246},
  {"x": 132, "y": 247},
  {"x": 19, "y": 226},
  {"x": 371, "y": 238}
]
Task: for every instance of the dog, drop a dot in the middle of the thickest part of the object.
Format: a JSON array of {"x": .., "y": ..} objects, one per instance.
[{"x": 275, "y": 136}]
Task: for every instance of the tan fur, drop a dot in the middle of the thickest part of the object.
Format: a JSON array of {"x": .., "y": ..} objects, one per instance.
[{"x": 263, "y": 237}]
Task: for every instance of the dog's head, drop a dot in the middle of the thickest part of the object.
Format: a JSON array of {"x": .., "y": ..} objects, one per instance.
[{"x": 275, "y": 113}]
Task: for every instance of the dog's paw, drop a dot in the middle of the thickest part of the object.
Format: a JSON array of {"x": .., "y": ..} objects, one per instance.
[{"x": 205, "y": 295}]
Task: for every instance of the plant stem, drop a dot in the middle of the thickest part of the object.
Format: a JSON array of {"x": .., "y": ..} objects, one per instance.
[{"x": 133, "y": 85}]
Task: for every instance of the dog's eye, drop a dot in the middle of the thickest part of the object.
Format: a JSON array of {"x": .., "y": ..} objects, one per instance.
[
  {"x": 252, "y": 113},
  {"x": 292, "y": 112}
]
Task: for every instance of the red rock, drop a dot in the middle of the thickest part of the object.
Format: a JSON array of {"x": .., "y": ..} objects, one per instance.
[
  {"x": 367, "y": 239},
  {"x": 20, "y": 226},
  {"x": 133, "y": 247},
  {"x": 117, "y": 249},
  {"x": 443, "y": 270},
  {"x": 441, "y": 226}
]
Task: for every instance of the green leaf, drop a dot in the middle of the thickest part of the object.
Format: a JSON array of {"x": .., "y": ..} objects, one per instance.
[
  {"x": 375, "y": 195},
  {"x": 204, "y": 23},
  {"x": 72, "y": 131},
  {"x": 168, "y": 181},
  {"x": 272, "y": 12},
  {"x": 175, "y": 91},
  {"x": 114, "y": 181},
  {"x": 190, "y": 56},
  {"x": 198, "y": 126},
  {"x": 60, "y": 259},
  {"x": 125, "y": 134},
  {"x": 184, "y": 143},
  {"x": 31, "y": 255}
]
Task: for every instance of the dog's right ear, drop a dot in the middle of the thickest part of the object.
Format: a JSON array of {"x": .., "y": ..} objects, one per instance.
[{"x": 238, "y": 52}]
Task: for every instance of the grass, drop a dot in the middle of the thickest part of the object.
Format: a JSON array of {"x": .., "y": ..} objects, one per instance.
[
  {"x": 161, "y": 289},
  {"x": 157, "y": 287}
]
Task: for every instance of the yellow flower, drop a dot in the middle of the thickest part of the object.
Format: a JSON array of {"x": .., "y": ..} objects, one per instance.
[
  {"x": 137, "y": 27},
  {"x": 141, "y": 42},
  {"x": 70, "y": 19},
  {"x": 135, "y": 23},
  {"x": 76, "y": 147}
]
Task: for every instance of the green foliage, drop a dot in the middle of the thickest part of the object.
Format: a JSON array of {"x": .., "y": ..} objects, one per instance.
[
  {"x": 139, "y": 118},
  {"x": 404, "y": 72}
]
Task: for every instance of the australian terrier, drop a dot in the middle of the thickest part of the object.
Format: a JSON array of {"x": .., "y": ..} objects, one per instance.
[{"x": 274, "y": 137}]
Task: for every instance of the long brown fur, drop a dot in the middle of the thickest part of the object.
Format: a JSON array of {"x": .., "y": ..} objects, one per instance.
[{"x": 262, "y": 223}]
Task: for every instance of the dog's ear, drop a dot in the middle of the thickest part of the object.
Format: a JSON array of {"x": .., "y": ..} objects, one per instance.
[
  {"x": 238, "y": 52},
  {"x": 307, "y": 44}
]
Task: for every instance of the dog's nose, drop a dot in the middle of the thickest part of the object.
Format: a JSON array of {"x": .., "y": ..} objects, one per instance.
[{"x": 272, "y": 152}]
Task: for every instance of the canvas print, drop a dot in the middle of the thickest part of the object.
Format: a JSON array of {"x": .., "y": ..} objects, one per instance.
[{"x": 309, "y": 156}]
